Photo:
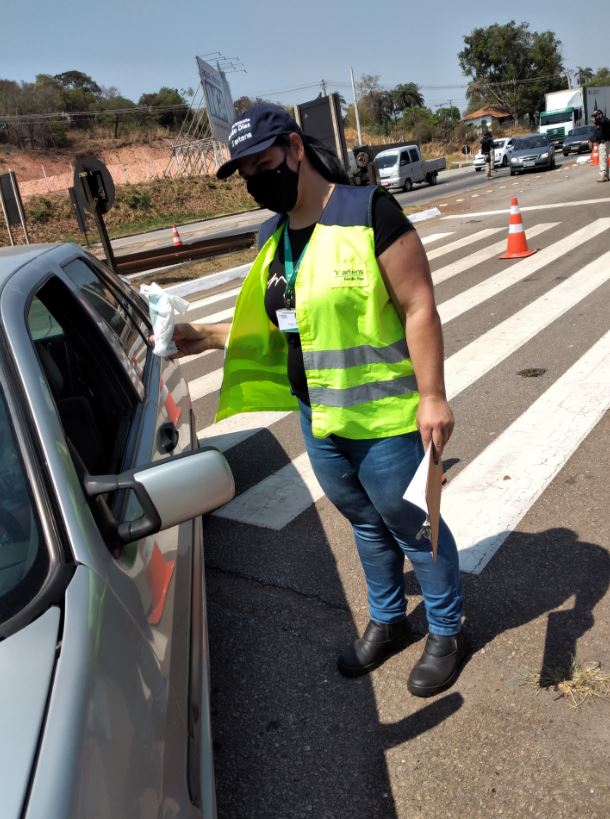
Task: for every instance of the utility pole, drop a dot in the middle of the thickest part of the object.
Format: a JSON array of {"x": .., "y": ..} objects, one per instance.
[
  {"x": 351, "y": 71},
  {"x": 323, "y": 86}
]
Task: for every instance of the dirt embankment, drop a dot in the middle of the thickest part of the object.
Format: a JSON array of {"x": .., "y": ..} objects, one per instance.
[{"x": 44, "y": 172}]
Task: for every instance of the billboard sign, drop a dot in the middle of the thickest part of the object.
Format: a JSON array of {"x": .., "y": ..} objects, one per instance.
[{"x": 218, "y": 100}]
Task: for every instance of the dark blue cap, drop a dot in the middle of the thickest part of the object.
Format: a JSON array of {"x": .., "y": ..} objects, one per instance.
[{"x": 255, "y": 131}]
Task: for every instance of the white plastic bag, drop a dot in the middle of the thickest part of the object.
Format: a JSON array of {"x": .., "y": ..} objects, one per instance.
[{"x": 164, "y": 310}]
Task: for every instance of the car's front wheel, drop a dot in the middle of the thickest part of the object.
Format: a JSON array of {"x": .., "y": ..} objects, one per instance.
[
  {"x": 504, "y": 161},
  {"x": 408, "y": 184}
]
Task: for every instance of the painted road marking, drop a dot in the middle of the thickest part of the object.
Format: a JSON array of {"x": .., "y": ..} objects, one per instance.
[
  {"x": 227, "y": 294},
  {"x": 483, "y": 354},
  {"x": 275, "y": 501},
  {"x": 452, "y": 308},
  {"x": 232, "y": 431},
  {"x": 486, "y": 501},
  {"x": 580, "y": 204},
  {"x": 463, "y": 242},
  {"x": 434, "y": 237},
  {"x": 479, "y": 256}
]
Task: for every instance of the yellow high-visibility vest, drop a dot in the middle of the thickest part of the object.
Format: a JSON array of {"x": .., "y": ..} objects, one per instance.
[{"x": 359, "y": 375}]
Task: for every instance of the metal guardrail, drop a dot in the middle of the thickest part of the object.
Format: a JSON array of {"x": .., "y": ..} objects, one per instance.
[{"x": 166, "y": 256}]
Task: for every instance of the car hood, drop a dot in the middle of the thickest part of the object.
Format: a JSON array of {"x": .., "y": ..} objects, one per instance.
[
  {"x": 27, "y": 659},
  {"x": 383, "y": 173}
]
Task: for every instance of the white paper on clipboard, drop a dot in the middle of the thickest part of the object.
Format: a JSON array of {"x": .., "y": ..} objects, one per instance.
[
  {"x": 424, "y": 491},
  {"x": 415, "y": 492}
]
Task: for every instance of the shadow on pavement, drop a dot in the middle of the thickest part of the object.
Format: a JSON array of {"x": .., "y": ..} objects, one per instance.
[{"x": 530, "y": 575}]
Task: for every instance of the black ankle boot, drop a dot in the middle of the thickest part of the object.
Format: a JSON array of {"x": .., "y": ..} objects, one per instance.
[
  {"x": 439, "y": 665},
  {"x": 379, "y": 641}
]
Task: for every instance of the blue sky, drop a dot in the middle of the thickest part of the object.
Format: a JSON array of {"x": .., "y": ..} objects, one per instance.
[{"x": 286, "y": 49}]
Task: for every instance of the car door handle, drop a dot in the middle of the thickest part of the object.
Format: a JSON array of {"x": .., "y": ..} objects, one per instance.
[{"x": 168, "y": 437}]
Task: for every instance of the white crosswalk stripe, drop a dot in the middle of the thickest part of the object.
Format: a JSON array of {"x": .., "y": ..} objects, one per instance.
[
  {"x": 458, "y": 244},
  {"x": 278, "y": 498},
  {"x": 491, "y": 495},
  {"x": 489, "y": 288}
]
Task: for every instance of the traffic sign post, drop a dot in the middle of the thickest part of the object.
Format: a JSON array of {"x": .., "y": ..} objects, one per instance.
[
  {"x": 94, "y": 191},
  {"x": 12, "y": 206}
]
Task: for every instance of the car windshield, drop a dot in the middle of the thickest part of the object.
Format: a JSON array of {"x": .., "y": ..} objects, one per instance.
[
  {"x": 531, "y": 142},
  {"x": 580, "y": 131},
  {"x": 499, "y": 143},
  {"x": 387, "y": 161},
  {"x": 24, "y": 559}
]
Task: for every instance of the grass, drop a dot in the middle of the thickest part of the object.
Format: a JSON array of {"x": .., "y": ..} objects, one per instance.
[
  {"x": 583, "y": 683},
  {"x": 145, "y": 206},
  {"x": 196, "y": 270}
]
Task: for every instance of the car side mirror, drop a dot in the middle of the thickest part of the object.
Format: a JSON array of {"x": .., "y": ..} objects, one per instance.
[{"x": 170, "y": 491}]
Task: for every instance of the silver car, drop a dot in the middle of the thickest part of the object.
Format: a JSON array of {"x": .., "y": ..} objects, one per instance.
[
  {"x": 531, "y": 152},
  {"x": 104, "y": 710}
]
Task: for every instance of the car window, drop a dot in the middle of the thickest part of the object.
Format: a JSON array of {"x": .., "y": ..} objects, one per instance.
[
  {"x": 404, "y": 158},
  {"x": 24, "y": 558},
  {"x": 531, "y": 142},
  {"x": 95, "y": 399},
  {"x": 413, "y": 154},
  {"x": 112, "y": 310},
  {"x": 387, "y": 161}
]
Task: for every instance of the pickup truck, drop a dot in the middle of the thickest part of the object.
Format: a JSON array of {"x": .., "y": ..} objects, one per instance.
[{"x": 401, "y": 167}]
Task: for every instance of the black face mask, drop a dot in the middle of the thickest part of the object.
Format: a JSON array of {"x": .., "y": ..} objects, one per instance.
[{"x": 276, "y": 189}]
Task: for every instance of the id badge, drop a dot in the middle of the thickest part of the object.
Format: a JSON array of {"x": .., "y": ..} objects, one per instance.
[{"x": 287, "y": 320}]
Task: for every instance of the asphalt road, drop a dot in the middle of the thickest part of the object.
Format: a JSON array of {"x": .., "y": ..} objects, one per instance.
[
  {"x": 449, "y": 182},
  {"x": 527, "y": 499}
]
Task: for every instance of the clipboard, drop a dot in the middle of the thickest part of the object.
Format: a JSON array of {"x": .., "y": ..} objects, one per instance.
[{"x": 424, "y": 491}]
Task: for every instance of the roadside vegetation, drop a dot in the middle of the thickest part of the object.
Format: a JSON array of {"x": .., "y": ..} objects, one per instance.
[{"x": 583, "y": 683}]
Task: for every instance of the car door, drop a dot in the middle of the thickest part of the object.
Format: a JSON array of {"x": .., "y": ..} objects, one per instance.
[{"x": 120, "y": 407}]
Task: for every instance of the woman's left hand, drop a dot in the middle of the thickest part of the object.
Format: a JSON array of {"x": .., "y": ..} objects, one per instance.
[{"x": 435, "y": 422}]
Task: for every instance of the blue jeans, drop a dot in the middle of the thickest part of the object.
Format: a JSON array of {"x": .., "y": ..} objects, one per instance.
[{"x": 365, "y": 480}]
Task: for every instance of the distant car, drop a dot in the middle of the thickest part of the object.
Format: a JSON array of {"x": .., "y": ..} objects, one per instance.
[
  {"x": 478, "y": 162},
  {"x": 578, "y": 141},
  {"x": 104, "y": 692},
  {"x": 502, "y": 148},
  {"x": 502, "y": 151},
  {"x": 531, "y": 152}
]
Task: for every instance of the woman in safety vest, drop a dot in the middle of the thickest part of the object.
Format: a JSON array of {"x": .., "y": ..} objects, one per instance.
[{"x": 337, "y": 319}]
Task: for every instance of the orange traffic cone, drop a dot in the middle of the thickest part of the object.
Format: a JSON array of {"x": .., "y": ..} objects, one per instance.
[
  {"x": 595, "y": 154},
  {"x": 176, "y": 240},
  {"x": 517, "y": 243}
]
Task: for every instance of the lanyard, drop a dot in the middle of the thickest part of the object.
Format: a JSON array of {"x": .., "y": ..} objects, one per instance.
[{"x": 291, "y": 269}]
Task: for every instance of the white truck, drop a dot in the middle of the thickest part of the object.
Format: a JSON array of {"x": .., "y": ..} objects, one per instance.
[
  {"x": 402, "y": 166},
  {"x": 571, "y": 108}
]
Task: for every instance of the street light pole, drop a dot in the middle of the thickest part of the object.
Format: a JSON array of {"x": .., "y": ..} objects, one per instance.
[{"x": 357, "y": 115}]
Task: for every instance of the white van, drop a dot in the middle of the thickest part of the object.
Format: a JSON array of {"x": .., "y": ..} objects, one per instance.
[{"x": 401, "y": 167}]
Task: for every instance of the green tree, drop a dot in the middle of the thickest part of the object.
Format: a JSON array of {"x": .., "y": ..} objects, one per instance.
[
  {"x": 168, "y": 107},
  {"x": 512, "y": 67},
  {"x": 601, "y": 76},
  {"x": 76, "y": 80},
  {"x": 370, "y": 102},
  {"x": 583, "y": 75},
  {"x": 407, "y": 95},
  {"x": 80, "y": 95}
]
